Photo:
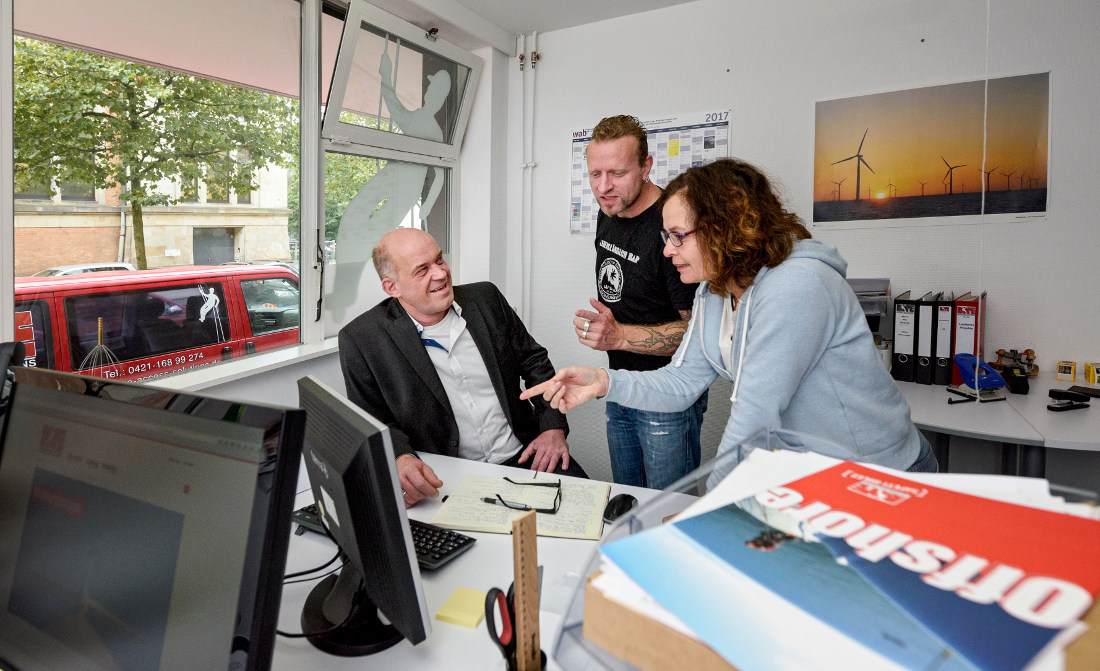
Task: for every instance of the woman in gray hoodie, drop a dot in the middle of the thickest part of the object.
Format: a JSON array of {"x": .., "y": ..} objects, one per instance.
[{"x": 775, "y": 316}]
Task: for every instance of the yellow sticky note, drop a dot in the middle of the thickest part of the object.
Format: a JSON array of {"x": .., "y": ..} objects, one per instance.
[{"x": 465, "y": 608}]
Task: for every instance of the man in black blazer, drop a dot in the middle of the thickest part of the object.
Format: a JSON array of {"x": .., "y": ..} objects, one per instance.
[{"x": 433, "y": 348}]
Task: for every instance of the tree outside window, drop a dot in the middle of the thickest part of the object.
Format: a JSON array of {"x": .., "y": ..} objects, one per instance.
[{"x": 83, "y": 119}]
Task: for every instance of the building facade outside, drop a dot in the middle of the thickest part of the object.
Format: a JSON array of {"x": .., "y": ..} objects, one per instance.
[{"x": 59, "y": 230}]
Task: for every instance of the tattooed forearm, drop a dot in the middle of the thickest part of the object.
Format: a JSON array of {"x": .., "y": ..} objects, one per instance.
[{"x": 659, "y": 339}]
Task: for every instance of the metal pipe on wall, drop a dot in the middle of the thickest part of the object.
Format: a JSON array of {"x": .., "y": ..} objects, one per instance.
[{"x": 527, "y": 70}]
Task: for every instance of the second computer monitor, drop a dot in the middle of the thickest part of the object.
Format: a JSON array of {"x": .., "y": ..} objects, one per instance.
[{"x": 350, "y": 462}]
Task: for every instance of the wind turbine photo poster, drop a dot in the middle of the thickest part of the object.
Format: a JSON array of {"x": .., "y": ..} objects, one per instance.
[{"x": 919, "y": 153}]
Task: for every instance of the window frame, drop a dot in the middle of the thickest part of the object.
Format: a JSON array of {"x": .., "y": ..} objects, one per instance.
[
  {"x": 302, "y": 9},
  {"x": 407, "y": 148},
  {"x": 350, "y": 139}
]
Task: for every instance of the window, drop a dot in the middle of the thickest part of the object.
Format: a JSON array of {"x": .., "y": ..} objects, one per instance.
[
  {"x": 25, "y": 190},
  {"x": 222, "y": 178},
  {"x": 144, "y": 323},
  {"x": 189, "y": 191},
  {"x": 364, "y": 198},
  {"x": 33, "y": 329},
  {"x": 73, "y": 105},
  {"x": 400, "y": 90},
  {"x": 74, "y": 189},
  {"x": 272, "y": 304},
  {"x": 252, "y": 60},
  {"x": 125, "y": 132},
  {"x": 69, "y": 190},
  {"x": 394, "y": 122}
]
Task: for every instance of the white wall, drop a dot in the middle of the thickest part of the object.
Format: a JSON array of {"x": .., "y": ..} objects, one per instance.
[{"x": 770, "y": 62}]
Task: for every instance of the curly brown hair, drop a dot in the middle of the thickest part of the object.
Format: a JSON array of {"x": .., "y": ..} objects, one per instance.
[
  {"x": 740, "y": 223},
  {"x": 615, "y": 127}
]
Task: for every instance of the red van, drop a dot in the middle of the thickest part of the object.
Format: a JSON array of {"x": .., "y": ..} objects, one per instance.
[{"x": 137, "y": 325}]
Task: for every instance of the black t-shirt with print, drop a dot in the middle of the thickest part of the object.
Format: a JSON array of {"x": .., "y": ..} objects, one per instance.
[{"x": 636, "y": 280}]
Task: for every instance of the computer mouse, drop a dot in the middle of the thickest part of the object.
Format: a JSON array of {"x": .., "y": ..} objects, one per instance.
[{"x": 618, "y": 505}]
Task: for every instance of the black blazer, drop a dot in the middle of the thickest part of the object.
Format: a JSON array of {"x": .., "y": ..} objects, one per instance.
[{"x": 389, "y": 374}]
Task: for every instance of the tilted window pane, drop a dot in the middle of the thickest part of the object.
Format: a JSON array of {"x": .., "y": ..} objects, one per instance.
[{"x": 398, "y": 87}]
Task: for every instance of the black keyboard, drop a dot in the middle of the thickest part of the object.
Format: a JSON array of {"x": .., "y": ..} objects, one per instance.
[{"x": 435, "y": 546}]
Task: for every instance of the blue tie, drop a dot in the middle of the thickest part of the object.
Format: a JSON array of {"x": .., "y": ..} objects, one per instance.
[{"x": 428, "y": 342}]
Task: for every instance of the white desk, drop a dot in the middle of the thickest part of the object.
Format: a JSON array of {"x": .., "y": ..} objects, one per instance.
[
  {"x": 1021, "y": 423},
  {"x": 1068, "y": 430},
  {"x": 487, "y": 564}
]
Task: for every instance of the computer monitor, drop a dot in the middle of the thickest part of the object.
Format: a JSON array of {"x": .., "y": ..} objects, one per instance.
[
  {"x": 141, "y": 528},
  {"x": 349, "y": 459}
]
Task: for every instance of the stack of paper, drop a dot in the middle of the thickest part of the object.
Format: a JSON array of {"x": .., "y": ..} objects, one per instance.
[{"x": 826, "y": 563}]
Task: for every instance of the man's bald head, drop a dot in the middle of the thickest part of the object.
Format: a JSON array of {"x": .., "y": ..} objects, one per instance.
[
  {"x": 394, "y": 246},
  {"x": 414, "y": 272}
]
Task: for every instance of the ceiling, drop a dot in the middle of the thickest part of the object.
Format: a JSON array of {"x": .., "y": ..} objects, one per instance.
[
  {"x": 474, "y": 23},
  {"x": 251, "y": 35},
  {"x": 524, "y": 16}
]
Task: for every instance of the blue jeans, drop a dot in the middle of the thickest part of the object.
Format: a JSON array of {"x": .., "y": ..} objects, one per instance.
[
  {"x": 926, "y": 461},
  {"x": 653, "y": 449}
]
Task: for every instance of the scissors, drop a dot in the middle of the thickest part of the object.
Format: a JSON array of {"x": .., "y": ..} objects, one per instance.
[{"x": 499, "y": 604}]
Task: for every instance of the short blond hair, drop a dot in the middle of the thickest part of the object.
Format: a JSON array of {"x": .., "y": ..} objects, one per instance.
[{"x": 623, "y": 125}]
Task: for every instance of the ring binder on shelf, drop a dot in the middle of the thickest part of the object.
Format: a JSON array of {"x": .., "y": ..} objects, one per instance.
[
  {"x": 945, "y": 312},
  {"x": 905, "y": 338},
  {"x": 926, "y": 338}
]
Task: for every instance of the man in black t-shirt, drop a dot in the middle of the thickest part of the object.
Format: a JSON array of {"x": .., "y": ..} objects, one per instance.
[{"x": 643, "y": 307}]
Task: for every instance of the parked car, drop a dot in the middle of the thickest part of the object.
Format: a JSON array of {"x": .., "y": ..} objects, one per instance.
[
  {"x": 149, "y": 323},
  {"x": 79, "y": 268}
]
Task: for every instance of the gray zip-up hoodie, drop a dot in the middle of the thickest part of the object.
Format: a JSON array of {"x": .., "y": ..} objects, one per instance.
[{"x": 802, "y": 357}]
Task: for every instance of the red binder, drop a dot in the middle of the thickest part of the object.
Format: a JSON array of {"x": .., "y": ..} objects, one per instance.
[{"x": 969, "y": 330}]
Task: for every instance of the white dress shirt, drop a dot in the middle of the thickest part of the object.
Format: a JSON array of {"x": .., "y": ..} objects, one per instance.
[{"x": 483, "y": 431}]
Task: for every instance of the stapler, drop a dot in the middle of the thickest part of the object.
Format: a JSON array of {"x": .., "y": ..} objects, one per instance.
[{"x": 1064, "y": 399}]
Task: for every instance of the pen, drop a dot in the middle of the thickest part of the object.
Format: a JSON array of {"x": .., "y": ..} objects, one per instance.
[{"x": 507, "y": 504}]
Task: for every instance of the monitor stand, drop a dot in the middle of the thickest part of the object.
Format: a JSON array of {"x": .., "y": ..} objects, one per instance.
[{"x": 328, "y": 626}]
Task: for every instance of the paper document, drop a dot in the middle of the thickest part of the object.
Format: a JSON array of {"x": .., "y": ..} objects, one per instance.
[{"x": 580, "y": 512}]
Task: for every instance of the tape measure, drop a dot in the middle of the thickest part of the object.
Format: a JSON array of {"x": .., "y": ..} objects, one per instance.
[{"x": 526, "y": 582}]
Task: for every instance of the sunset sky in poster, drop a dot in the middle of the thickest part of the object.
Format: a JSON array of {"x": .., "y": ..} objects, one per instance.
[{"x": 910, "y": 134}]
